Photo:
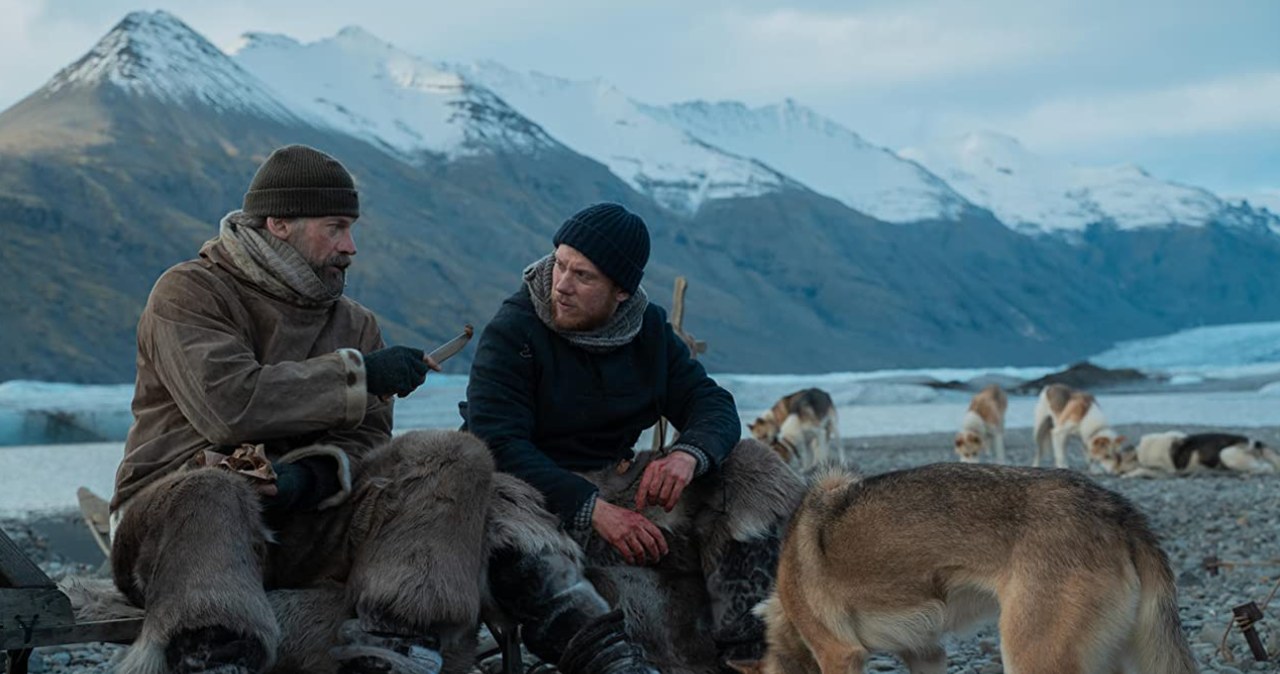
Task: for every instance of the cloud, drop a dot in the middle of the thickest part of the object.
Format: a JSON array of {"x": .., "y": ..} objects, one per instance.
[
  {"x": 34, "y": 46},
  {"x": 1231, "y": 104},
  {"x": 18, "y": 15},
  {"x": 882, "y": 47}
]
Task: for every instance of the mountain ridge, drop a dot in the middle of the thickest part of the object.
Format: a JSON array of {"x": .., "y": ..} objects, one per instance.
[{"x": 104, "y": 185}]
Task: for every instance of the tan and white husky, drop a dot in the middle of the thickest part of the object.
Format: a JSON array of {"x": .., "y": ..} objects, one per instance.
[
  {"x": 802, "y": 427},
  {"x": 890, "y": 563},
  {"x": 1062, "y": 411},
  {"x": 983, "y": 425},
  {"x": 1176, "y": 453}
]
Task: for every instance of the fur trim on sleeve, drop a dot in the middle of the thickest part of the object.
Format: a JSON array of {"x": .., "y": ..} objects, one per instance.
[
  {"x": 357, "y": 394},
  {"x": 342, "y": 463}
]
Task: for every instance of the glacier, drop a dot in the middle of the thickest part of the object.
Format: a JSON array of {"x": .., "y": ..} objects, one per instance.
[{"x": 33, "y": 413}]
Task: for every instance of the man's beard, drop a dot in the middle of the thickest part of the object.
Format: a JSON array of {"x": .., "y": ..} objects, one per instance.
[
  {"x": 333, "y": 273},
  {"x": 577, "y": 321}
]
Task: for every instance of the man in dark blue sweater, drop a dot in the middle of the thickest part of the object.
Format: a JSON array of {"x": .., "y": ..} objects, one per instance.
[{"x": 566, "y": 376}]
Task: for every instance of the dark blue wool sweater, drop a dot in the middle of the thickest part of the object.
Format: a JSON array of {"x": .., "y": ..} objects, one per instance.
[{"x": 546, "y": 407}]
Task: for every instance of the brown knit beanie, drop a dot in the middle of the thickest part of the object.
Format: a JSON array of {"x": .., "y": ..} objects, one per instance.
[{"x": 297, "y": 181}]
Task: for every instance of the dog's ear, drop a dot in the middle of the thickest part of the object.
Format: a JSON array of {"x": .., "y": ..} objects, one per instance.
[
  {"x": 1119, "y": 441},
  {"x": 746, "y": 666}
]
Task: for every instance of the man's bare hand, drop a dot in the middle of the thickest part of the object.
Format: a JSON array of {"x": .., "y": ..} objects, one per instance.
[
  {"x": 267, "y": 489},
  {"x": 630, "y": 533},
  {"x": 664, "y": 481}
]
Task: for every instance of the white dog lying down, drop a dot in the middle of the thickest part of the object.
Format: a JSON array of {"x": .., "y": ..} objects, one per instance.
[{"x": 1176, "y": 453}]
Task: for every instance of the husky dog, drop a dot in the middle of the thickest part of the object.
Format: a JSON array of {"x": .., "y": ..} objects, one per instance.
[
  {"x": 983, "y": 425},
  {"x": 891, "y": 562},
  {"x": 1062, "y": 411},
  {"x": 1176, "y": 453},
  {"x": 802, "y": 427}
]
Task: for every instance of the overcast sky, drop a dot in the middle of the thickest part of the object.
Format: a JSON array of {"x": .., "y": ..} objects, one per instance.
[{"x": 1190, "y": 90}]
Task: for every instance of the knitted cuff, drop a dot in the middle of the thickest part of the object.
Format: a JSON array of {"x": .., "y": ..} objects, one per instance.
[
  {"x": 704, "y": 464},
  {"x": 580, "y": 528}
]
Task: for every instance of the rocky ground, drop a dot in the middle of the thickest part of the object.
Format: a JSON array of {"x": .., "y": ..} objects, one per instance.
[{"x": 1228, "y": 517}]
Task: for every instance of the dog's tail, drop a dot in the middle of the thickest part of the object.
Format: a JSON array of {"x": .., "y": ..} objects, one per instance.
[
  {"x": 1157, "y": 641},
  {"x": 826, "y": 486}
]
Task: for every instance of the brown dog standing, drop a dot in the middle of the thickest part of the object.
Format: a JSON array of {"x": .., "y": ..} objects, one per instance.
[{"x": 892, "y": 562}]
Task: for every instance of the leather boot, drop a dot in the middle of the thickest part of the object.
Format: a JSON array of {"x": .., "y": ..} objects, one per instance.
[
  {"x": 366, "y": 652},
  {"x": 549, "y": 597},
  {"x": 603, "y": 647},
  {"x": 214, "y": 650}
]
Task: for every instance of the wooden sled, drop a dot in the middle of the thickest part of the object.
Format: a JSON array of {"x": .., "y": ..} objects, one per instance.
[
  {"x": 34, "y": 612},
  {"x": 97, "y": 516}
]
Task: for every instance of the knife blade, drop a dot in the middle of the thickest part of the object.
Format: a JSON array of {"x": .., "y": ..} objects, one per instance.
[{"x": 452, "y": 347}]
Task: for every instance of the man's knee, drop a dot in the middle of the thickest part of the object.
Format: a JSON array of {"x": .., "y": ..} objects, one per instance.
[
  {"x": 753, "y": 457},
  {"x": 190, "y": 548},
  {"x": 184, "y": 513},
  {"x": 519, "y": 521},
  {"x": 459, "y": 455},
  {"x": 204, "y": 489},
  {"x": 758, "y": 491}
]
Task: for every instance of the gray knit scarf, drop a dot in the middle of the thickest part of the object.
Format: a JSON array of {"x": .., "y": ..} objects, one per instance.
[
  {"x": 619, "y": 331},
  {"x": 272, "y": 264}
]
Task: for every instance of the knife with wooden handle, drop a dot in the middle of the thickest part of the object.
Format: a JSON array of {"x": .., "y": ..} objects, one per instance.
[
  {"x": 451, "y": 348},
  {"x": 447, "y": 350}
]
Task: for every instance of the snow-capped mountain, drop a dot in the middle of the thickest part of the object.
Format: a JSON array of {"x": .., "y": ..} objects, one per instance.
[
  {"x": 681, "y": 155},
  {"x": 1033, "y": 193},
  {"x": 130, "y": 155},
  {"x": 360, "y": 85},
  {"x": 678, "y": 169},
  {"x": 155, "y": 54},
  {"x": 825, "y": 156},
  {"x": 1268, "y": 199}
]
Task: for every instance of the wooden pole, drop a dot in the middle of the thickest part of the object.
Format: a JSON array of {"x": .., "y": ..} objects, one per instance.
[{"x": 695, "y": 348}]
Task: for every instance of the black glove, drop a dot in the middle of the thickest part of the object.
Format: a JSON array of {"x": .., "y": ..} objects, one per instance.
[
  {"x": 395, "y": 369},
  {"x": 303, "y": 484}
]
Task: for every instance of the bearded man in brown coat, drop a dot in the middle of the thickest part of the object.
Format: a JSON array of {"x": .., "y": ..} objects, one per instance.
[{"x": 253, "y": 346}]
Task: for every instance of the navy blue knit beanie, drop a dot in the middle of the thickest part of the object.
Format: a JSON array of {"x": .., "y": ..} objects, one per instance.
[{"x": 613, "y": 238}]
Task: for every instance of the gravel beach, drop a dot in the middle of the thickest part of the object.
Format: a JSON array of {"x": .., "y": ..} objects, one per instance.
[{"x": 1229, "y": 517}]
